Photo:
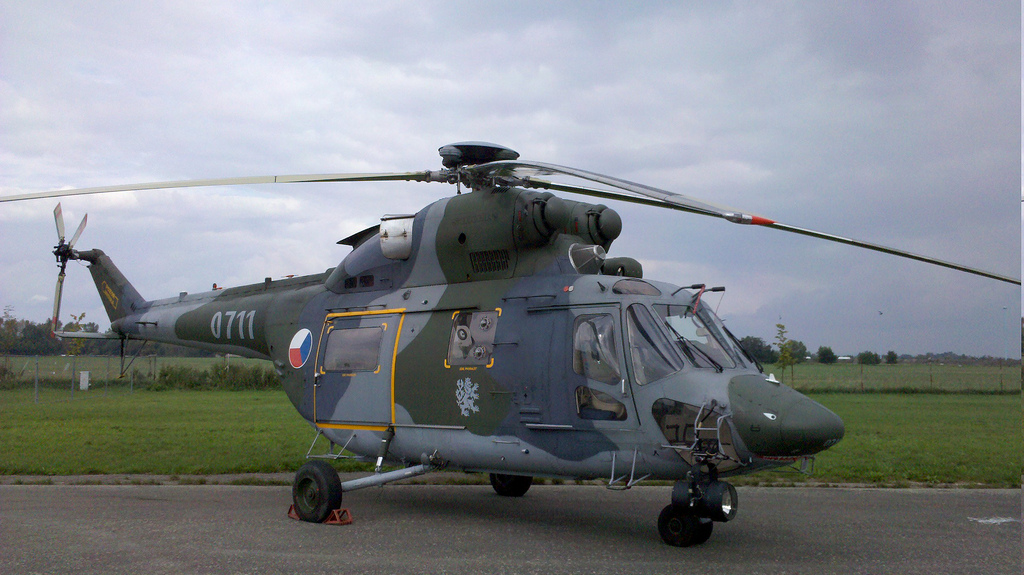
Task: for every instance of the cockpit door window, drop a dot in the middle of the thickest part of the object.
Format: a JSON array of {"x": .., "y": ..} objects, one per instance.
[
  {"x": 593, "y": 349},
  {"x": 596, "y": 404},
  {"x": 602, "y": 399},
  {"x": 650, "y": 352}
]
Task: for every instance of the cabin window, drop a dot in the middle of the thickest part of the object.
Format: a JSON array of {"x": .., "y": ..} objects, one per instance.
[
  {"x": 652, "y": 355},
  {"x": 472, "y": 339},
  {"x": 594, "y": 404},
  {"x": 594, "y": 346},
  {"x": 351, "y": 350},
  {"x": 635, "y": 287}
]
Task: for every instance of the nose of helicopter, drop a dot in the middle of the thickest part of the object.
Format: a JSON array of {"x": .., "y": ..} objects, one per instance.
[{"x": 775, "y": 421}]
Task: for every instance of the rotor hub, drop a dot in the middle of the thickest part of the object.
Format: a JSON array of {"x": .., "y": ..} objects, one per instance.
[{"x": 454, "y": 156}]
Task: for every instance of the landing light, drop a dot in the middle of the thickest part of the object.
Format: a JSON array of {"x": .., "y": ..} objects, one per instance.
[{"x": 719, "y": 502}]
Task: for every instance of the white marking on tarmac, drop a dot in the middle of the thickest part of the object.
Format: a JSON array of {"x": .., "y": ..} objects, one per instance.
[{"x": 994, "y": 520}]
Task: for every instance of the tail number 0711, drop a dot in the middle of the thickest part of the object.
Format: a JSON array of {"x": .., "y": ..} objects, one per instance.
[{"x": 243, "y": 319}]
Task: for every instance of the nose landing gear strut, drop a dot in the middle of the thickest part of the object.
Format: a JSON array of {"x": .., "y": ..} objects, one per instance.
[{"x": 697, "y": 502}]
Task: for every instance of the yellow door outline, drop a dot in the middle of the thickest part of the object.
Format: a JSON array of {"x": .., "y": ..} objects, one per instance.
[{"x": 394, "y": 359}]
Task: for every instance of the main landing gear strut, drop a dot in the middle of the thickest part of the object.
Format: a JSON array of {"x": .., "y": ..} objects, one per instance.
[
  {"x": 697, "y": 502},
  {"x": 317, "y": 489}
]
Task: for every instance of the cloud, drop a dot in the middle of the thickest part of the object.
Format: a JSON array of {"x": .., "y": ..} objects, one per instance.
[{"x": 882, "y": 122}]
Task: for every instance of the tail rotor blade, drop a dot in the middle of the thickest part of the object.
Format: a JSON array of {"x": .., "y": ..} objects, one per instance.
[
  {"x": 58, "y": 216},
  {"x": 78, "y": 232},
  {"x": 56, "y": 301}
]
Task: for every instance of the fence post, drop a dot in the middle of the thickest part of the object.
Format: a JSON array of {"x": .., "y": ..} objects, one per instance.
[
  {"x": 37, "y": 379},
  {"x": 72, "y": 377}
]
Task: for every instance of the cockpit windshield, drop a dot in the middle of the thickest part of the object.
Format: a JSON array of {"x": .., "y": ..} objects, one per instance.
[
  {"x": 652, "y": 354},
  {"x": 694, "y": 337}
]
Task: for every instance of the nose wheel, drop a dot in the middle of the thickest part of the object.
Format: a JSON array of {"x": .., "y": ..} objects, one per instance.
[{"x": 680, "y": 527}]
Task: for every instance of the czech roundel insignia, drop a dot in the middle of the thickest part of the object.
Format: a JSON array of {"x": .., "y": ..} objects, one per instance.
[{"x": 298, "y": 351}]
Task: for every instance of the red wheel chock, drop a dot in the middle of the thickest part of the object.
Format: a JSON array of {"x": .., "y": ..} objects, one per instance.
[{"x": 337, "y": 517}]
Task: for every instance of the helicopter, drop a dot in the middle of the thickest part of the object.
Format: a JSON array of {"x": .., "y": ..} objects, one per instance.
[{"x": 490, "y": 332}]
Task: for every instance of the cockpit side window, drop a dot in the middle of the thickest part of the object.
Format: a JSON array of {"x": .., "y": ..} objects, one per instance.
[
  {"x": 593, "y": 349},
  {"x": 652, "y": 355}
]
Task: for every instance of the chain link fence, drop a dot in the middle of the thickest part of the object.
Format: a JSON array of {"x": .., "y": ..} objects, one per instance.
[{"x": 56, "y": 378}]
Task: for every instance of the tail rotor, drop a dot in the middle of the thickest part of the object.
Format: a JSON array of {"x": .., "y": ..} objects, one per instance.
[{"x": 63, "y": 251}]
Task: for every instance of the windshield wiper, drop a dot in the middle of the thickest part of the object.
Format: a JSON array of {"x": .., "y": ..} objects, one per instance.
[
  {"x": 688, "y": 347},
  {"x": 705, "y": 355}
]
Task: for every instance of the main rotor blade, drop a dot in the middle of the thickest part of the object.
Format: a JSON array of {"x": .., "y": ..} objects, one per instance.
[
  {"x": 423, "y": 176},
  {"x": 527, "y": 170},
  {"x": 660, "y": 198},
  {"x": 892, "y": 251},
  {"x": 58, "y": 216},
  {"x": 78, "y": 232}
]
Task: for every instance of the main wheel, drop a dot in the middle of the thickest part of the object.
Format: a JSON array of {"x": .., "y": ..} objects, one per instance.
[
  {"x": 316, "y": 491},
  {"x": 678, "y": 527},
  {"x": 511, "y": 485}
]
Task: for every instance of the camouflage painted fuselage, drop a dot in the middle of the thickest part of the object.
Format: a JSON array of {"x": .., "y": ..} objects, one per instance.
[{"x": 472, "y": 334}]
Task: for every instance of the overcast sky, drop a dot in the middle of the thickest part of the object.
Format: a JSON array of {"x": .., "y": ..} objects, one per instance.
[{"x": 892, "y": 122}]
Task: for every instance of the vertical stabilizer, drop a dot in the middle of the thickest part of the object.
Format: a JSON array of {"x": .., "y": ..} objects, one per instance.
[{"x": 119, "y": 296}]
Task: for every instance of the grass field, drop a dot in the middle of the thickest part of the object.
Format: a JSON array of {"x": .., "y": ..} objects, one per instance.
[
  {"x": 170, "y": 432},
  {"x": 891, "y": 439},
  {"x": 899, "y": 439}
]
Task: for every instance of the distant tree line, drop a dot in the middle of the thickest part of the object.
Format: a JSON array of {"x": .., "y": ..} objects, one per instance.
[
  {"x": 767, "y": 354},
  {"x": 764, "y": 353}
]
